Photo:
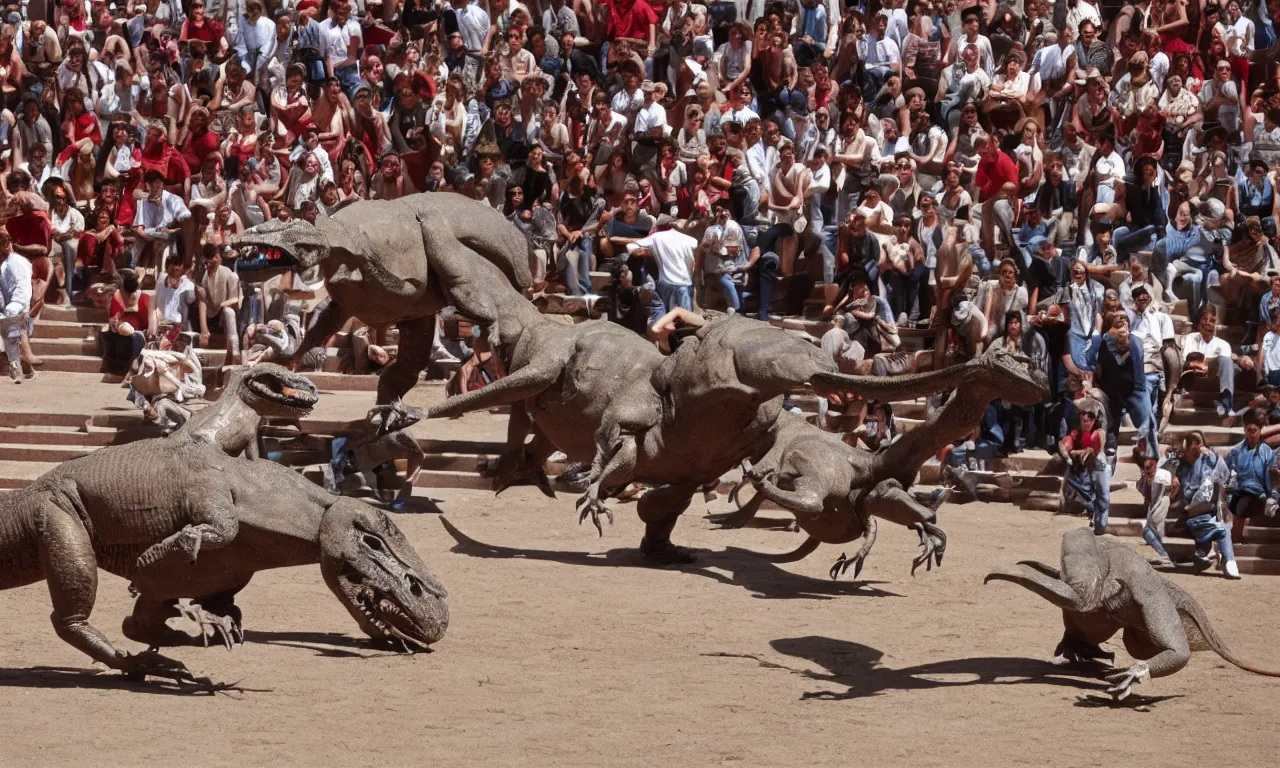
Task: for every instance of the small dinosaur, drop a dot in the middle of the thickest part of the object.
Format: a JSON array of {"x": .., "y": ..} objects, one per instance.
[
  {"x": 834, "y": 489},
  {"x": 1105, "y": 587},
  {"x": 398, "y": 262},
  {"x": 181, "y": 517}
]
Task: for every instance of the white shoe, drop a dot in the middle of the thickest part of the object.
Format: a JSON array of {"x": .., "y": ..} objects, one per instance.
[
  {"x": 1231, "y": 570},
  {"x": 15, "y": 371},
  {"x": 442, "y": 355}
]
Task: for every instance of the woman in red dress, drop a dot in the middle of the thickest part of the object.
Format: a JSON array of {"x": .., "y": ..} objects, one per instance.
[{"x": 78, "y": 125}]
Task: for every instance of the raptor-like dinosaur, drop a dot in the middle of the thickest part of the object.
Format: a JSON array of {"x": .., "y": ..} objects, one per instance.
[
  {"x": 263, "y": 391},
  {"x": 397, "y": 262},
  {"x": 182, "y": 517},
  {"x": 1105, "y": 587},
  {"x": 834, "y": 489}
]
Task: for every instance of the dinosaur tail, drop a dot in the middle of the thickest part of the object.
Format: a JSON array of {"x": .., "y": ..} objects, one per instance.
[
  {"x": 1191, "y": 610},
  {"x": 799, "y": 553}
]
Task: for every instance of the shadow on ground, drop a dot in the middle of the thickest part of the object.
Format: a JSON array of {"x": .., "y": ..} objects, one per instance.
[
  {"x": 99, "y": 679},
  {"x": 857, "y": 670},
  {"x": 745, "y": 568},
  {"x": 328, "y": 644}
]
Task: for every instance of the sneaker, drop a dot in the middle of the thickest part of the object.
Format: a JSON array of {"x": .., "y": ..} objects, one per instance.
[
  {"x": 1231, "y": 571},
  {"x": 902, "y": 319},
  {"x": 1223, "y": 409},
  {"x": 15, "y": 371}
]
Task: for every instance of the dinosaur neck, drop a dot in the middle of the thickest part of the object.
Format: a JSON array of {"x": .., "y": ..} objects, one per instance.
[
  {"x": 230, "y": 424},
  {"x": 955, "y": 420}
]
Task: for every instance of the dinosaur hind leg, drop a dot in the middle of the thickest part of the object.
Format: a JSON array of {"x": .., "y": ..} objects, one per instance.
[
  {"x": 889, "y": 500},
  {"x": 615, "y": 475},
  {"x": 71, "y": 570},
  {"x": 660, "y": 508},
  {"x": 411, "y": 359}
]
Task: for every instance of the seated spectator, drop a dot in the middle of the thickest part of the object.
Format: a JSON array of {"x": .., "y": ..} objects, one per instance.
[
  {"x": 175, "y": 295},
  {"x": 1203, "y": 353},
  {"x": 218, "y": 299},
  {"x": 1251, "y": 462},
  {"x": 1198, "y": 481},
  {"x": 128, "y": 318},
  {"x": 1154, "y": 485}
]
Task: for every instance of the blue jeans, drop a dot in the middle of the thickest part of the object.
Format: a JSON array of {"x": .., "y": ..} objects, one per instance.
[
  {"x": 673, "y": 295},
  {"x": 1138, "y": 404},
  {"x": 1127, "y": 241},
  {"x": 744, "y": 201},
  {"x": 1153, "y": 392},
  {"x": 1093, "y": 485},
  {"x": 1207, "y": 528},
  {"x": 575, "y": 267},
  {"x": 349, "y": 77},
  {"x": 1273, "y": 378},
  {"x": 1079, "y": 346},
  {"x": 730, "y": 290}
]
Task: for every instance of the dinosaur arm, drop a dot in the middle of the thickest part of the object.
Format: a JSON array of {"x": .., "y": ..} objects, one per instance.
[
  {"x": 1164, "y": 628},
  {"x": 520, "y": 385},
  {"x": 1054, "y": 590}
]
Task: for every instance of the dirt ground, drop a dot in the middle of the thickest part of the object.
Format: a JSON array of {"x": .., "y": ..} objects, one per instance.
[{"x": 565, "y": 650}]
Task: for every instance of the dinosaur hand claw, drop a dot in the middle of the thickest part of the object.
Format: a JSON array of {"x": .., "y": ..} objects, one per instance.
[
  {"x": 1124, "y": 681},
  {"x": 152, "y": 664},
  {"x": 595, "y": 508},
  {"x": 211, "y": 625},
  {"x": 843, "y": 563},
  {"x": 933, "y": 545}
]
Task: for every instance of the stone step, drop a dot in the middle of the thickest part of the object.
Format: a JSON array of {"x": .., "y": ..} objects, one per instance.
[
  {"x": 43, "y": 452},
  {"x": 95, "y": 437},
  {"x": 1247, "y": 561},
  {"x": 75, "y": 314},
  {"x": 1253, "y": 534},
  {"x": 63, "y": 329},
  {"x": 14, "y": 475},
  {"x": 71, "y": 363}
]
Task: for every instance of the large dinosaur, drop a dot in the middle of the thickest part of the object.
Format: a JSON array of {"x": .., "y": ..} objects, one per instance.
[
  {"x": 397, "y": 262},
  {"x": 833, "y": 489},
  {"x": 181, "y": 517},
  {"x": 1105, "y": 587}
]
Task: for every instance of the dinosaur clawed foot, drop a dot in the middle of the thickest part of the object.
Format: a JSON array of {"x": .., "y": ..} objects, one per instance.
[
  {"x": 150, "y": 663},
  {"x": 512, "y": 469},
  {"x": 1123, "y": 682},
  {"x": 212, "y": 626},
  {"x": 842, "y": 565},
  {"x": 587, "y": 505},
  {"x": 933, "y": 544}
]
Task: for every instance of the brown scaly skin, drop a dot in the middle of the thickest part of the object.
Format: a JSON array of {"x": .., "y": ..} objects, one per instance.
[
  {"x": 833, "y": 489},
  {"x": 179, "y": 517},
  {"x": 400, "y": 262},
  {"x": 263, "y": 391},
  {"x": 1104, "y": 587}
]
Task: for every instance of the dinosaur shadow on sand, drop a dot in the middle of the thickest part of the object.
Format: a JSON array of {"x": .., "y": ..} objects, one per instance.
[
  {"x": 332, "y": 645},
  {"x": 58, "y": 678},
  {"x": 747, "y": 570},
  {"x": 858, "y": 669}
]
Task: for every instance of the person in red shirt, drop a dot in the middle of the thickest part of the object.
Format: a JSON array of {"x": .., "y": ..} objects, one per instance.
[
  {"x": 123, "y": 338},
  {"x": 635, "y": 19},
  {"x": 995, "y": 168}
]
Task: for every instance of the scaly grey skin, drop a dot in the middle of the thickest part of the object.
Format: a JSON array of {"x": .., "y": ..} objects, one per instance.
[
  {"x": 1104, "y": 587},
  {"x": 400, "y": 262},
  {"x": 833, "y": 488},
  {"x": 252, "y": 394},
  {"x": 180, "y": 517}
]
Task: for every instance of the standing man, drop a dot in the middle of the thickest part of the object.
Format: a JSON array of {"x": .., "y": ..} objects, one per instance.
[
  {"x": 15, "y": 300},
  {"x": 1118, "y": 360},
  {"x": 340, "y": 43},
  {"x": 1154, "y": 485},
  {"x": 1154, "y": 329},
  {"x": 675, "y": 253}
]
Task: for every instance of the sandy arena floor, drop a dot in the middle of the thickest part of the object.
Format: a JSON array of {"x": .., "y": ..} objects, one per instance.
[{"x": 565, "y": 650}]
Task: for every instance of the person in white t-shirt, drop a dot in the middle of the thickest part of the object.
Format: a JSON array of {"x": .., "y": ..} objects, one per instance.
[
  {"x": 175, "y": 295},
  {"x": 676, "y": 253},
  {"x": 1203, "y": 352},
  {"x": 1269, "y": 352}
]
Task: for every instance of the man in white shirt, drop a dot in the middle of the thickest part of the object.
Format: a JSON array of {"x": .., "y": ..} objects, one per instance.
[
  {"x": 67, "y": 225},
  {"x": 648, "y": 130},
  {"x": 473, "y": 23},
  {"x": 629, "y": 99},
  {"x": 1155, "y": 330},
  {"x": 175, "y": 295},
  {"x": 675, "y": 253},
  {"x": 157, "y": 221},
  {"x": 986, "y": 59},
  {"x": 880, "y": 52},
  {"x": 15, "y": 301},
  {"x": 255, "y": 39},
  {"x": 340, "y": 42},
  {"x": 1203, "y": 353}
]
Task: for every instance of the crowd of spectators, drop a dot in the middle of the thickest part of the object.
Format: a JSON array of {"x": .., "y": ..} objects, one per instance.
[{"x": 1047, "y": 178}]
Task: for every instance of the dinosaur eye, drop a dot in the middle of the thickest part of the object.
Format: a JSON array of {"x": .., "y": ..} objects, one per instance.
[
  {"x": 374, "y": 543},
  {"x": 415, "y": 586}
]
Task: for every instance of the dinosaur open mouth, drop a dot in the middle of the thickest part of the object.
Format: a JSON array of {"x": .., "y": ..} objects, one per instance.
[
  {"x": 298, "y": 393},
  {"x": 384, "y": 616},
  {"x": 264, "y": 262}
]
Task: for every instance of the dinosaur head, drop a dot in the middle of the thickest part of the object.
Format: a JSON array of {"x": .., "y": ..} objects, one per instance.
[
  {"x": 275, "y": 247},
  {"x": 371, "y": 567},
  {"x": 273, "y": 391},
  {"x": 1010, "y": 377}
]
